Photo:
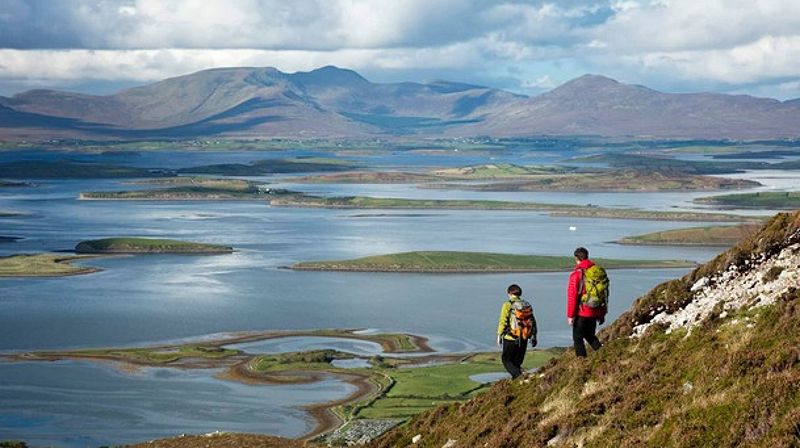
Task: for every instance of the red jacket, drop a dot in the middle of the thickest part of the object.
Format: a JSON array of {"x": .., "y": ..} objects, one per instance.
[{"x": 574, "y": 296}]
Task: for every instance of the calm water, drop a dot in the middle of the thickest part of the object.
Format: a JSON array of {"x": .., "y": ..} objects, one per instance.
[{"x": 144, "y": 299}]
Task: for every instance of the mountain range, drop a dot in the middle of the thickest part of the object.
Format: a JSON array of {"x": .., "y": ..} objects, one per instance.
[{"x": 331, "y": 102}]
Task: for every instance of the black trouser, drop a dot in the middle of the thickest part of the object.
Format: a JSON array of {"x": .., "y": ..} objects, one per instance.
[
  {"x": 513, "y": 355},
  {"x": 584, "y": 328}
]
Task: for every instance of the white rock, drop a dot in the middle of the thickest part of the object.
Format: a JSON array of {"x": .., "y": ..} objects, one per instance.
[
  {"x": 700, "y": 284},
  {"x": 415, "y": 440},
  {"x": 450, "y": 443}
]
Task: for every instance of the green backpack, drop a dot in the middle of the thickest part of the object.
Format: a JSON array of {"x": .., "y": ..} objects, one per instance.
[{"x": 596, "y": 287}]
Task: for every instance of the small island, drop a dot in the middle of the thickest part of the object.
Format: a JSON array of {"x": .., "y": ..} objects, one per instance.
[
  {"x": 782, "y": 200},
  {"x": 42, "y": 265},
  {"x": 473, "y": 262},
  {"x": 723, "y": 236},
  {"x": 130, "y": 245},
  {"x": 186, "y": 189}
]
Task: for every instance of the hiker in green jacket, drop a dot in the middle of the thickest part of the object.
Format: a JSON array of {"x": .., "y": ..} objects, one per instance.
[{"x": 516, "y": 327}]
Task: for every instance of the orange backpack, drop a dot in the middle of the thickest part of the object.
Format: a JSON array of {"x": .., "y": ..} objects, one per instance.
[{"x": 520, "y": 322}]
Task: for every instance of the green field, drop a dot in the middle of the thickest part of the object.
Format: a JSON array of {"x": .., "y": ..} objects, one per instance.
[
  {"x": 769, "y": 200},
  {"x": 418, "y": 389},
  {"x": 41, "y": 265},
  {"x": 130, "y": 245},
  {"x": 696, "y": 236},
  {"x": 472, "y": 262}
]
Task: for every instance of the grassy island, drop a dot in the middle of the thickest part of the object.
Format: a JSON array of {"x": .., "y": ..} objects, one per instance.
[
  {"x": 186, "y": 189},
  {"x": 696, "y": 236},
  {"x": 785, "y": 200},
  {"x": 472, "y": 262},
  {"x": 42, "y": 265},
  {"x": 617, "y": 180},
  {"x": 477, "y": 172},
  {"x": 147, "y": 246},
  {"x": 290, "y": 199}
]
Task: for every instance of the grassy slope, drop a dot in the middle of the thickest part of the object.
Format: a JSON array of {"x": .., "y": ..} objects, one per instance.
[
  {"x": 470, "y": 261},
  {"x": 769, "y": 199},
  {"x": 696, "y": 236},
  {"x": 40, "y": 265},
  {"x": 146, "y": 245},
  {"x": 731, "y": 382}
]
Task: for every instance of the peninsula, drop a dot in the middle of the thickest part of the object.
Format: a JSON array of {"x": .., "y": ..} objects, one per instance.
[
  {"x": 130, "y": 245},
  {"x": 473, "y": 262},
  {"x": 42, "y": 265}
]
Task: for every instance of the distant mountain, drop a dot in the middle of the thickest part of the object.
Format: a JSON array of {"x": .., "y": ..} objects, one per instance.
[
  {"x": 596, "y": 105},
  {"x": 331, "y": 102}
]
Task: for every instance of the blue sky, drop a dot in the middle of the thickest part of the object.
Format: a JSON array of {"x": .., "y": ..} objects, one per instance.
[{"x": 98, "y": 46}]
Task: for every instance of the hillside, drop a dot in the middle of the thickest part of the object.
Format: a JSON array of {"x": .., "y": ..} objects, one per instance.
[
  {"x": 710, "y": 359},
  {"x": 330, "y": 102}
]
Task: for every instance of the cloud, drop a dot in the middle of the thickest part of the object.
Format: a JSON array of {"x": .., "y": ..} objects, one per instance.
[{"x": 684, "y": 45}]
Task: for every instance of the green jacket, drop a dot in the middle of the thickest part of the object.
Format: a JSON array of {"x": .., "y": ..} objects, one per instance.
[{"x": 505, "y": 315}]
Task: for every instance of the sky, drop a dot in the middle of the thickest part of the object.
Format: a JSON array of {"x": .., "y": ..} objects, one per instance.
[{"x": 99, "y": 46}]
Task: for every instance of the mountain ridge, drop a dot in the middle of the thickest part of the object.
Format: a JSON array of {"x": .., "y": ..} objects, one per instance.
[{"x": 332, "y": 102}]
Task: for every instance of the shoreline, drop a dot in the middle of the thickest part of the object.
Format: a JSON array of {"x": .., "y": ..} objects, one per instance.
[{"x": 236, "y": 367}]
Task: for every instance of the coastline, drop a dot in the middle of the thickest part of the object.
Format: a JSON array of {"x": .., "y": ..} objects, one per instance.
[{"x": 236, "y": 366}]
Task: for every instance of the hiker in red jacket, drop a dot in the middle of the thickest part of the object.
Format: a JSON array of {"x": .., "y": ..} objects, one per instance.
[{"x": 582, "y": 318}]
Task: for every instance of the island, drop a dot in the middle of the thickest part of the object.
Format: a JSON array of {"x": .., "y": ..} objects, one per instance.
[
  {"x": 186, "y": 189},
  {"x": 42, "y": 265},
  {"x": 476, "y": 172},
  {"x": 386, "y": 394},
  {"x": 724, "y": 236},
  {"x": 473, "y": 262},
  {"x": 780, "y": 200},
  {"x": 614, "y": 180},
  {"x": 132, "y": 245}
]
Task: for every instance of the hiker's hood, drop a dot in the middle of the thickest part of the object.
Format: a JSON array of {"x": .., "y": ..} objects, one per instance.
[{"x": 585, "y": 264}]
